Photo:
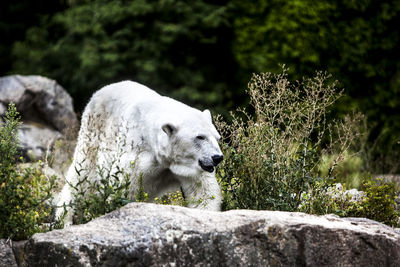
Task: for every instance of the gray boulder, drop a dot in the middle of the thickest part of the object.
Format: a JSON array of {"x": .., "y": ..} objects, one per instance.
[
  {"x": 46, "y": 110},
  {"x": 142, "y": 234},
  {"x": 7, "y": 257}
]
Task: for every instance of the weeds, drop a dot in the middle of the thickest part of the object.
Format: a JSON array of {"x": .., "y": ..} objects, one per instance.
[
  {"x": 272, "y": 157},
  {"x": 96, "y": 197},
  {"x": 379, "y": 203},
  {"x": 175, "y": 198},
  {"x": 376, "y": 201},
  {"x": 25, "y": 193}
]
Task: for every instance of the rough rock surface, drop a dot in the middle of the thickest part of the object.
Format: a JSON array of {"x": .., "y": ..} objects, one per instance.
[
  {"x": 46, "y": 110},
  {"x": 6, "y": 254},
  {"x": 142, "y": 234}
]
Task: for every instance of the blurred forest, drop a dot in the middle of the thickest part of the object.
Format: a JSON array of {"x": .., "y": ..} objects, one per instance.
[{"x": 204, "y": 52}]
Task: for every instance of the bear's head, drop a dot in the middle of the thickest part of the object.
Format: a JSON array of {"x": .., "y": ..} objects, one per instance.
[{"x": 193, "y": 144}]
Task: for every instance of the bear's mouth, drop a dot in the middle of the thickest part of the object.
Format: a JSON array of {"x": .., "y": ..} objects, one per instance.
[{"x": 206, "y": 167}]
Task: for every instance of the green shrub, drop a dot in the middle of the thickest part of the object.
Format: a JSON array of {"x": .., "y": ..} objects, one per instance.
[
  {"x": 93, "y": 198},
  {"x": 175, "y": 198},
  {"x": 271, "y": 158},
  {"x": 178, "y": 198},
  {"x": 141, "y": 195},
  {"x": 379, "y": 203},
  {"x": 9, "y": 140},
  {"x": 24, "y": 192}
]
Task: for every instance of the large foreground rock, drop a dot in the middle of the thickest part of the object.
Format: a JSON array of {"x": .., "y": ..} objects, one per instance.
[
  {"x": 153, "y": 235},
  {"x": 46, "y": 110}
]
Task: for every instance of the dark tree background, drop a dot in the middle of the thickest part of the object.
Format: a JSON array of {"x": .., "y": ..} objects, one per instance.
[
  {"x": 203, "y": 52},
  {"x": 180, "y": 48}
]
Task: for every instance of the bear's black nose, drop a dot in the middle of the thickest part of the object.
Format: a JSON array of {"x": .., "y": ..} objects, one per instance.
[{"x": 217, "y": 159}]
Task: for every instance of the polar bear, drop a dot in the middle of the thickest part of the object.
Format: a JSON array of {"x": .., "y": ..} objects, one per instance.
[{"x": 173, "y": 146}]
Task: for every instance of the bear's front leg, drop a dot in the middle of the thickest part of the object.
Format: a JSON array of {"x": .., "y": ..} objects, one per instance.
[
  {"x": 65, "y": 198},
  {"x": 203, "y": 193}
]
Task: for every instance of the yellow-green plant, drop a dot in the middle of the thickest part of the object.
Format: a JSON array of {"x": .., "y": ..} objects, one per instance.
[
  {"x": 141, "y": 195},
  {"x": 93, "y": 198},
  {"x": 24, "y": 192},
  {"x": 379, "y": 203},
  {"x": 176, "y": 198},
  {"x": 376, "y": 201}
]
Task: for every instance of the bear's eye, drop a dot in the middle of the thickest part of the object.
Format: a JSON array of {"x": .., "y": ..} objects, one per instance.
[{"x": 200, "y": 137}]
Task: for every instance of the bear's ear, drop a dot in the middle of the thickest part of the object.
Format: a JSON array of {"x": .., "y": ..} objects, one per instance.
[
  {"x": 207, "y": 114},
  {"x": 169, "y": 129}
]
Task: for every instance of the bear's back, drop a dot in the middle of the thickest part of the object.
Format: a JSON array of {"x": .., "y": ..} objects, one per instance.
[
  {"x": 137, "y": 102},
  {"x": 126, "y": 91}
]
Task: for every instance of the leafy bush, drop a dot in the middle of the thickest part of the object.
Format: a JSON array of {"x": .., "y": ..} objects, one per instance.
[
  {"x": 271, "y": 158},
  {"x": 286, "y": 156},
  {"x": 178, "y": 198},
  {"x": 379, "y": 203},
  {"x": 175, "y": 198},
  {"x": 141, "y": 195},
  {"x": 93, "y": 198},
  {"x": 24, "y": 192}
]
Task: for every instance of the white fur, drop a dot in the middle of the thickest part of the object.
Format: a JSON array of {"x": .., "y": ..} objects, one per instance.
[{"x": 129, "y": 122}]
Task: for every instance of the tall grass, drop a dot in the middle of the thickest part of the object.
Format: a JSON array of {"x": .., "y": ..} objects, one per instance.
[{"x": 272, "y": 155}]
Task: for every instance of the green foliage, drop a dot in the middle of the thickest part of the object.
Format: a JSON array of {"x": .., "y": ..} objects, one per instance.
[
  {"x": 172, "y": 199},
  {"x": 9, "y": 140},
  {"x": 177, "y": 47},
  {"x": 141, "y": 195},
  {"x": 272, "y": 158},
  {"x": 315, "y": 199},
  {"x": 93, "y": 198},
  {"x": 177, "y": 198},
  {"x": 24, "y": 192},
  {"x": 15, "y": 19},
  {"x": 203, "y": 51},
  {"x": 377, "y": 202},
  {"x": 356, "y": 41}
]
